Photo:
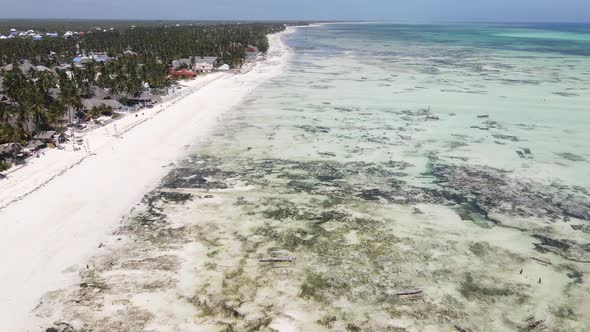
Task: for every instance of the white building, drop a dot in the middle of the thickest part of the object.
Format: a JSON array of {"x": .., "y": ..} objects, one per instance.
[
  {"x": 224, "y": 67},
  {"x": 182, "y": 63},
  {"x": 205, "y": 64}
]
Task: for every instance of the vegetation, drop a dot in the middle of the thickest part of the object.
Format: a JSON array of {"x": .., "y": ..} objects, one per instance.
[
  {"x": 227, "y": 41},
  {"x": 51, "y": 97}
]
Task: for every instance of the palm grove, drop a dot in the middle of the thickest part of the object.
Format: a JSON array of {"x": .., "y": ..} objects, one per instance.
[{"x": 38, "y": 100}]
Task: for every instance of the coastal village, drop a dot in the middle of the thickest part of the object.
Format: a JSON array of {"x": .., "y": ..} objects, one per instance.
[{"x": 71, "y": 94}]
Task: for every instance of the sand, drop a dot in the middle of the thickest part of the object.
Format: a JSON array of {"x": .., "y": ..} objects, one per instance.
[{"x": 56, "y": 211}]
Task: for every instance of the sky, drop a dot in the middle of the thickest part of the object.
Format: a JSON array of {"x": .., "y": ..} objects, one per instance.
[{"x": 368, "y": 10}]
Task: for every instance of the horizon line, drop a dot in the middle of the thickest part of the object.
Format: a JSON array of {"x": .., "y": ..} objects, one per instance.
[{"x": 292, "y": 20}]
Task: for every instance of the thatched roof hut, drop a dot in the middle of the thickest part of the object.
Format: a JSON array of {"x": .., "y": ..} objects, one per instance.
[
  {"x": 35, "y": 145},
  {"x": 96, "y": 102},
  {"x": 8, "y": 150}
]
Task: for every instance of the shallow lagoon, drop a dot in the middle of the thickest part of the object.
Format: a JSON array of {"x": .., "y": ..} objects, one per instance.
[{"x": 481, "y": 210}]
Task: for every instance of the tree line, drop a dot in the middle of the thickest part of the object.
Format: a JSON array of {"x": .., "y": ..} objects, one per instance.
[
  {"x": 227, "y": 41},
  {"x": 50, "y": 99}
]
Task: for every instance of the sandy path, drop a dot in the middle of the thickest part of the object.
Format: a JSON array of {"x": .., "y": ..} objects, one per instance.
[{"x": 56, "y": 211}]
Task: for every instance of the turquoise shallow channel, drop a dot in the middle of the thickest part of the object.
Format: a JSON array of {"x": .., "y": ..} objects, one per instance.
[{"x": 411, "y": 178}]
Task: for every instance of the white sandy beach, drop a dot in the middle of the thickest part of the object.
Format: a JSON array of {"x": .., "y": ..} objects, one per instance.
[{"x": 56, "y": 211}]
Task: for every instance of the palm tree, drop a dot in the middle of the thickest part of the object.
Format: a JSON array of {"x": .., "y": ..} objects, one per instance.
[
  {"x": 36, "y": 107},
  {"x": 5, "y": 112},
  {"x": 56, "y": 112},
  {"x": 70, "y": 98}
]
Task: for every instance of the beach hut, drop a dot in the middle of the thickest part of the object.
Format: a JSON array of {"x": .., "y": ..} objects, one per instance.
[
  {"x": 37, "y": 37},
  {"x": 3, "y": 37},
  {"x": 47, "y": 136},
  {"x": 144, "y": 97},
  {"x": 89, "y": 104},
  {"x": 35, "y": 145},
  {"x": 52, "y": 34},
  {"x": 10, "y": 151},
  {"x": 100, "y": 93}
]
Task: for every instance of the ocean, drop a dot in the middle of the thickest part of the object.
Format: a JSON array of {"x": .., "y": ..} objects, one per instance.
[{"x": 397, "y": 178}]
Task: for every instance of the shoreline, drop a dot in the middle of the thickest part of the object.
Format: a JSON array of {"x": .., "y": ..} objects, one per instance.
[
  {"x": 25, "y": 179},
  {"x": 56, "y": 211}
]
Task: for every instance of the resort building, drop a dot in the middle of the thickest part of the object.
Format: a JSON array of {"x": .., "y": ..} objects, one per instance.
[
  {"x": 80, "y": 60},
  {"x": 251, "y": 53},
  {"x": 195, "y": 64},
  {"x": 205, "y": 64},
  {"x": 182, "y": 63}
]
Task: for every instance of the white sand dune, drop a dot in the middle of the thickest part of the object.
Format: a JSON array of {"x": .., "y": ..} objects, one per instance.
[{"x": 55, "y": 212}]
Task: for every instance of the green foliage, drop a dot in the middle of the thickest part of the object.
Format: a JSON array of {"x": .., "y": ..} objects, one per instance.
[
  {"x": 42, "y": 100},
  {"x": 97, "y": 111},
  {"x": 4, "y": 165},
  {"x": 155, "y": 41}
]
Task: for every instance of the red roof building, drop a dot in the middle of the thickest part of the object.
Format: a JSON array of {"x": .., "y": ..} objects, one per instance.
[{"x": 183, "y": 73}]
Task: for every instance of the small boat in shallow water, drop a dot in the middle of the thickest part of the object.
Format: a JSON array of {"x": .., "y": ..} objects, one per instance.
[
  {"x": 287, "y": 259},
  {"x": 409, "y": 292}
]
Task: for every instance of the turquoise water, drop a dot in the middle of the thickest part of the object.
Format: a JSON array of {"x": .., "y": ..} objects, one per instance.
[
  {"x": 411, "y": 178},
  {"x": 394, "y": 158}
]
